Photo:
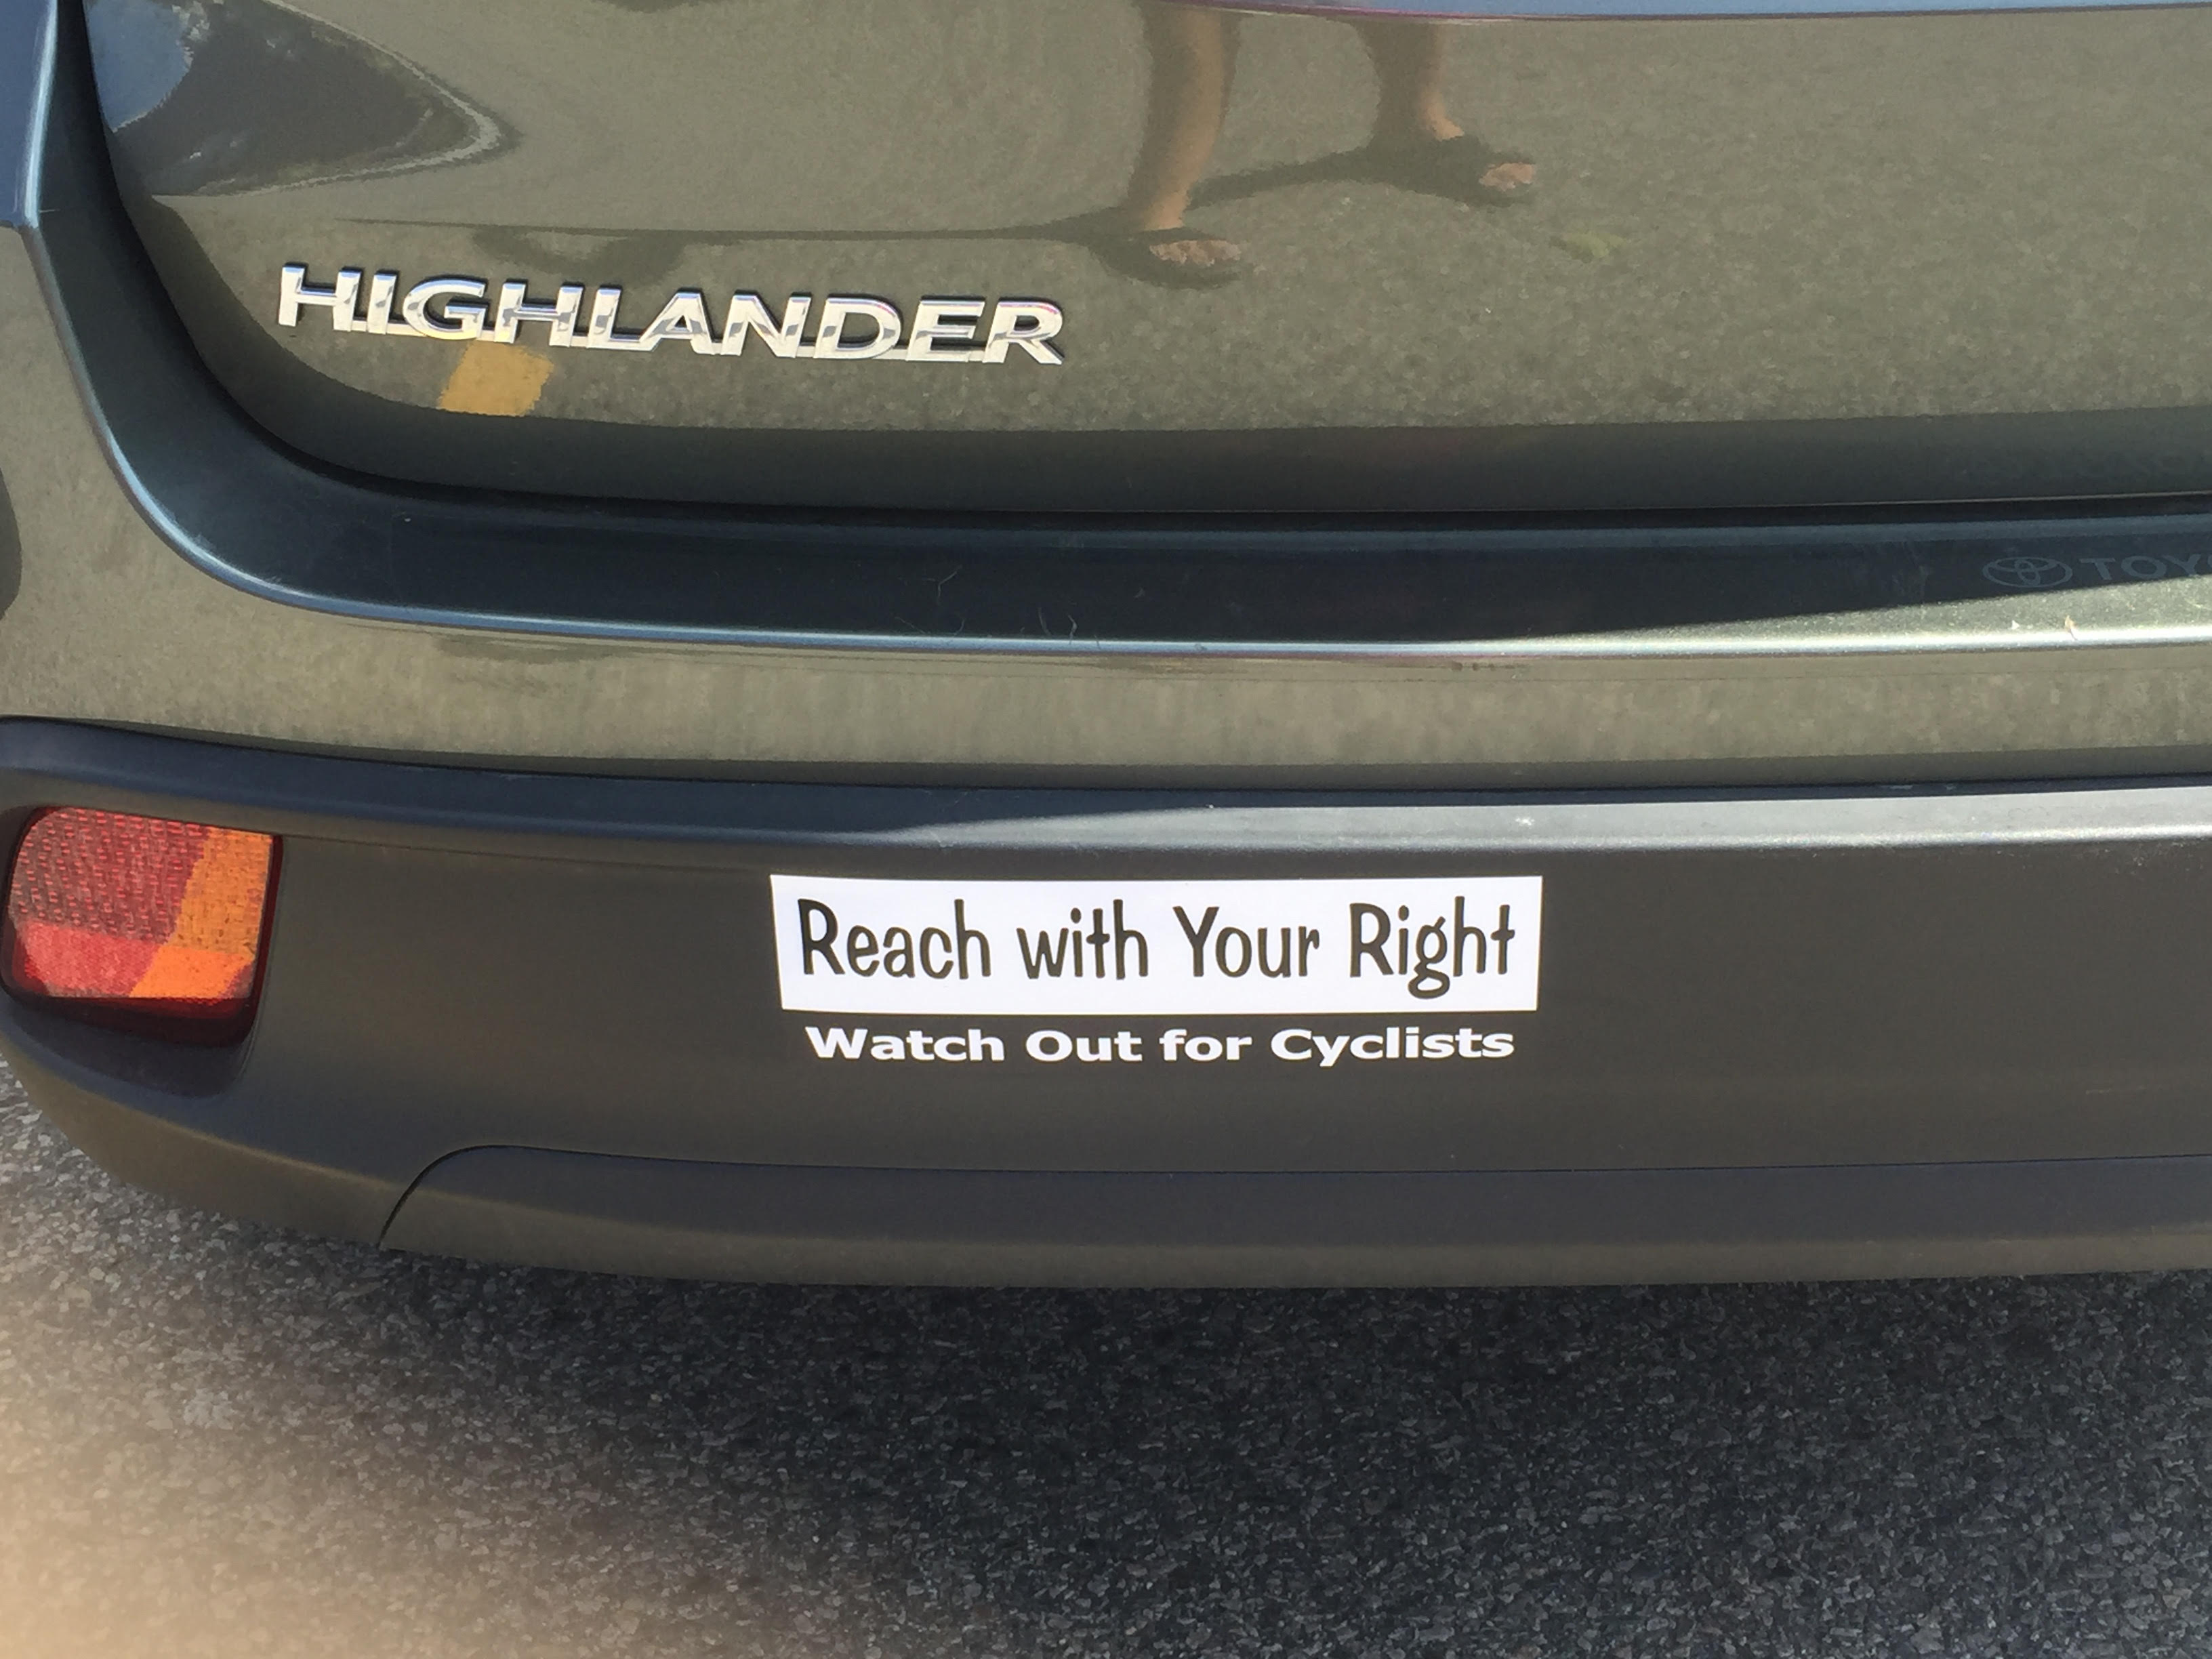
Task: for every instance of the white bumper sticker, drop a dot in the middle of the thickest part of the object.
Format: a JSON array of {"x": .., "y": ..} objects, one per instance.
[{"x": 1159, "y": 947}]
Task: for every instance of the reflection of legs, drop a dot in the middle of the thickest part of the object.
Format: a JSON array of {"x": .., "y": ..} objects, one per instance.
[
  {"x": 1409, "y": 109},
  {"x": 1194, "y": 53},
  {"x": 1409, "y": 70}
]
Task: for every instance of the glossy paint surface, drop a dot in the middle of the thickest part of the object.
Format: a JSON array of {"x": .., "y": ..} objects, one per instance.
[
  {"x": 1888, "y": 236},
  {"x": 103, "y": 622}
]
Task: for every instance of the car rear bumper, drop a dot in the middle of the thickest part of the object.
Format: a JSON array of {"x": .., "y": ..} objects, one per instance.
[
  {"x": 1537, "y": 1227},
  {"x": 537, "y": 1018}
]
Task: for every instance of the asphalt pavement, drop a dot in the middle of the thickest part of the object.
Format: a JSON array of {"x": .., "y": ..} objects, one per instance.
[{"x": 218, "y": 1438}]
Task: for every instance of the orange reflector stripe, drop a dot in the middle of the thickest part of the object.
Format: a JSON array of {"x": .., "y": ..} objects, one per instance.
[
  {"x": 212, "y": 947},
  {"x": 137, "y": 914}
]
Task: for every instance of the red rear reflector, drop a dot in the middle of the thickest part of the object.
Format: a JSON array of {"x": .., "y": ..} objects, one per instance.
[{"x": 108, "y": 912}]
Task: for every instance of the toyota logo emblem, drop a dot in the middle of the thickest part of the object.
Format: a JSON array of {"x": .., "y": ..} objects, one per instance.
[{"x": 2028, "y": 570}]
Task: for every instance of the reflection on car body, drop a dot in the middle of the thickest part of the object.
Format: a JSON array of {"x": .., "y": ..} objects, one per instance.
[{"x": 1370, "y": 726}]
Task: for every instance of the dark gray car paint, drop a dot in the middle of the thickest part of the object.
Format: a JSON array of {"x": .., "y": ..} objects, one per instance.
[
  {"x": 964, "y": 581},
  {"x": 1856, "y": 977},
  {"x": 26, "y": 29},
  {"x": 1989, "y": 984},
  {"x": 1797, "y": 260},
  {"x": 2103, "y": 674},
  {"x": 1998, "y": 976}
]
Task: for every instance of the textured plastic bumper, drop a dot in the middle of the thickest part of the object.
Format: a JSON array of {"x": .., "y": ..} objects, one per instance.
[{"x": 537, "y": 1017}]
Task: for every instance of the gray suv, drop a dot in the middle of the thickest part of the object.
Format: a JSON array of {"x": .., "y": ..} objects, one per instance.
[{"x": 1116, "y": 640}]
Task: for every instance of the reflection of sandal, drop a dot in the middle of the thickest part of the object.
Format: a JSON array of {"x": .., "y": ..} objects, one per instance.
[
  {"x": 1451, "y": 168},
  {"x": 1137, "y": 253}
]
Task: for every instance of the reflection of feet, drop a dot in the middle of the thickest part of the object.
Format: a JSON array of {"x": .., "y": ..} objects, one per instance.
[
  {"x": 1181, "y": 255},
  {"x": 1462, "y": 168}
]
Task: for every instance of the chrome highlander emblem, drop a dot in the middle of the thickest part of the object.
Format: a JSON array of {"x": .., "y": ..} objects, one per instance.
[{"x": 849, "y": 327}]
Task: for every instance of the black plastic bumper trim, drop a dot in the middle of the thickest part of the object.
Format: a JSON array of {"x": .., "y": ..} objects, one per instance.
[{"x": 709, "y": 1221}]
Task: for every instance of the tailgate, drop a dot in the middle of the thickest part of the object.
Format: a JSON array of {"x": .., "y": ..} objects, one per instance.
[{"x": 1774, "y": 259}]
